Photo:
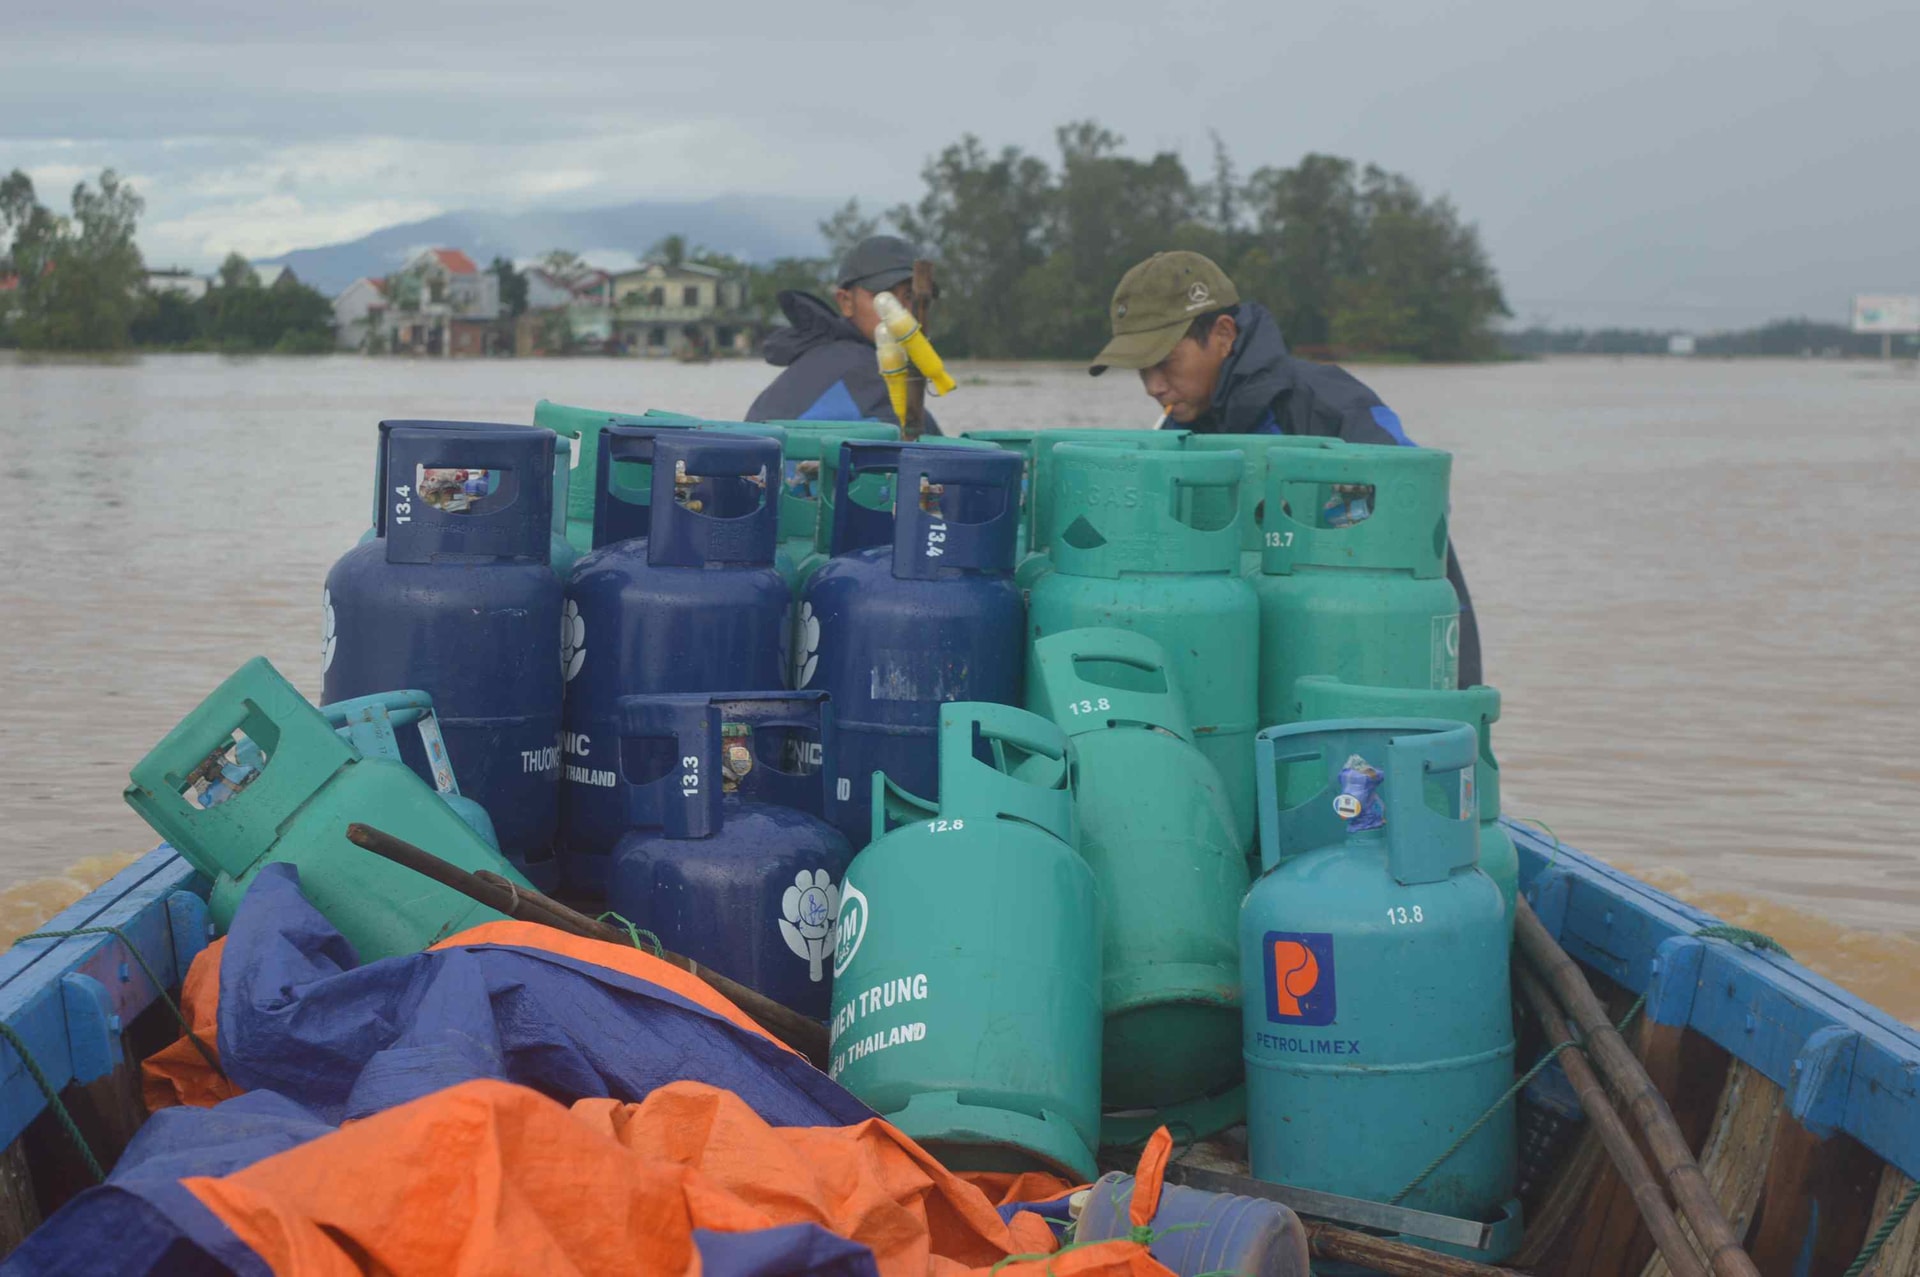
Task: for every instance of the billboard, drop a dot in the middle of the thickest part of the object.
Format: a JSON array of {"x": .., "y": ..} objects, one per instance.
[{"x": 1886, "y": 314}]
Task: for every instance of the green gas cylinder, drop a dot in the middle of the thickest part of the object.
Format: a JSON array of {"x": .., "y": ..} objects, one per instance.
[
  {"x": 1319, "y": 696},
  {"x": 582, "y": 427},
  {"x": 1254, "y": 450},
  {"x": 800, "y": 491},
  {"x": 1353, "y": 581},
  {"x": 966, "y": 964},
  {"x": 1378, "y": 1015},
  {"x": 1040, "y": 540},
  {"x": 292, "y": 802},
  {"x": 1133, "y": 552},
  {"x": 1158, "y": 831}
]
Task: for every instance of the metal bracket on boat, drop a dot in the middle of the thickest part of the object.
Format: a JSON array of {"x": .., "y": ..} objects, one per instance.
[
  {"x": 1358, "y": 1211},
  {"x": 191, "y": 928},
  {"x": 1822, "y": 1077},
  {"x": 93, "y": 1028}
]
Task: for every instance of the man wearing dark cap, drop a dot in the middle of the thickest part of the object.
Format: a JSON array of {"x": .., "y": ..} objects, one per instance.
[
  {"x": 1218, "y": 365},
  {"x": 826, "y": 355}
]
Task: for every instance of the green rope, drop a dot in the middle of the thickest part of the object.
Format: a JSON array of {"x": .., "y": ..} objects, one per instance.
[
  {"x": 1541, "y": 824},
  {"x": 159, "y": 985},
  {"x": 58, "y": 1109},
  {"x": 634, "y": 933},
  {"x": 1880, "y": 1234},
  {"x": 1740, "y": 935},
  {"x": 1502, "y": 1102}
]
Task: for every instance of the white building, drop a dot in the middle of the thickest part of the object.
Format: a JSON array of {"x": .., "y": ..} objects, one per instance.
[
  {"x": 184, "y": 282},
  {"x": 358, "y": 312}
]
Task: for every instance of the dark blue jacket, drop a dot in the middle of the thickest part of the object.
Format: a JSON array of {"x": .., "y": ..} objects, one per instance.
[
  {"x": 828, "y": 369},
  {"x": 1264, "y": 390}
]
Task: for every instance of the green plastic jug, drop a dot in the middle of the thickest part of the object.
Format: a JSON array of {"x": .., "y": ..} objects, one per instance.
[
  {"x": 1319, "y": 696},
  {"x": 800, "y": 491},
  {"x": 1134, "y": 552},
  {"x": 1038, "y": 561},
  {"x": 309, "y": 786},
  {"x": 582, "y": 426},
  {"x": 1254, "y": 450},
  {"x": 1158, "y": 831},
  {"x": 1354, "y": 582},
  {"x": 966, "y": 966}
]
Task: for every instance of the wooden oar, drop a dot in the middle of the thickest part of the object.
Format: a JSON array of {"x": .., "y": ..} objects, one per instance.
[
  {"x": 1630, "y": 1083},
  {"x": 1681, "y": 1258},
  {"x": 921, "y": 301},
  {"x": 524, "y": 904}
]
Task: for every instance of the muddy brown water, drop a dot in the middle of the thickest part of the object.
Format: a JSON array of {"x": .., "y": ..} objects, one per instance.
[{"x": 1697, "y": 583}]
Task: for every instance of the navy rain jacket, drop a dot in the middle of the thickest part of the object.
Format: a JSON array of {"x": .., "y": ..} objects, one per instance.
[
  {"x": 828, "y": 369},
  {"x": 1265, "y": 390}
]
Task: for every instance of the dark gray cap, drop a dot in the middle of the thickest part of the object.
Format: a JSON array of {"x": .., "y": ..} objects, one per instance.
[{"x": 877, "y": 263}]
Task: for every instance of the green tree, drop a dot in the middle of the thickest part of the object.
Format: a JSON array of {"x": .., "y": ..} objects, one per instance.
[
  {"x": 669, "y": 250},
  {"x": 983, "y": 216},
  {"x": 513, "y": 287},
  {"x": 80, "y": 275},
  {"x": 1308, "y": 218},
  {"x": 846, "y": 228},
  {"x": 800, "y": 274}
]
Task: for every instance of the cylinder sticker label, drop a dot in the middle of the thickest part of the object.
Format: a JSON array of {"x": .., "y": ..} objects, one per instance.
[
  {"x": 850, "y": 928},
  {"x": 899, "y": 992},
  {"x": 1299, "y": 977},
  {"x": 580, "y": 745},
  {"x": 811, "y": 906},
  {"x": 1444, "y": 674}
]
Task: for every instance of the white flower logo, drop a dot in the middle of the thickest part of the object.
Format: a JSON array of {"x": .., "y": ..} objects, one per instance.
[
  {"x": 329, "y": 636},
  {"x": 806, "y": 645},
  {"x": 812, "y": 905},
  {"x": 573, "y": 640}
]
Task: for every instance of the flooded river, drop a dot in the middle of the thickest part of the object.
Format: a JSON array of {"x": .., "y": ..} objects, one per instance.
[{"x": 1697, "y": 584}]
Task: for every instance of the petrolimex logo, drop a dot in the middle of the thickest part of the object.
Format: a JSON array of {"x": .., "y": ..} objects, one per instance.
[{"x": 1300, "y": 987}]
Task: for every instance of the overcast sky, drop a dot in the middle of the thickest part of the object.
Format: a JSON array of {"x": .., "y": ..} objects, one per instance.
[{"x": 1676, "y": 165}]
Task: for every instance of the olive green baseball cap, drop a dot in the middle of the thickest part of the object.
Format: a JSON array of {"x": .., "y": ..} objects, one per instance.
[{"x": 1155, "y": 303}]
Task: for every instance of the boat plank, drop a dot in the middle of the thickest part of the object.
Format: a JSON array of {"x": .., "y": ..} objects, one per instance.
[
  {"x": 1816, "y": 1203},
  {"x": 1900, "y": 1255},
  {"x": 19, "y": 1206},
  {"x": 1737, "y": 1152}
]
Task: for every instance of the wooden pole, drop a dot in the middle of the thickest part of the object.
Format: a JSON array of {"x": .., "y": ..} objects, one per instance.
[
  {"x": 920, "y": 303},
  {"x": 1395, "y": 1259},
  {"x": 1680, "y": 1255},
  {"x": 524, "y": 904},
  {"x": 1631, "y": 1086}
]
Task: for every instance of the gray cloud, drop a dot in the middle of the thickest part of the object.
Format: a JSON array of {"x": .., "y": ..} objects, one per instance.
[{"x": 1632, "y": 162}]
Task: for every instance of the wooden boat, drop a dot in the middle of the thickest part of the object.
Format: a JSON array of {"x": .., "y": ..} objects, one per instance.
[{"x": 1800, "y": 1101}]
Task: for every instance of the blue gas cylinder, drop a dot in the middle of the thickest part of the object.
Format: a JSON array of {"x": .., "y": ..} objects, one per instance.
[
  {"x": 691, "y": 604},
  {"x": 927, "y": 614},
  {"x": 561, "y": 551},
  {"x": 367, "y": 723},
  {"x": 456, "y": 597},
  {"x": 1377, "y": 1014},
  {"x": 725, "y": 857}
]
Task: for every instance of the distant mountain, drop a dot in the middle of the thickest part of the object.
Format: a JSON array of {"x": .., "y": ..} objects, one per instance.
[{"x": 755, "y": 228}]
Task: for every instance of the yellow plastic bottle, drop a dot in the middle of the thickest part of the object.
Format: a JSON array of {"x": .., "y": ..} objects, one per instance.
[
  {"x": 893, "y": 369},
  {"x": 906, "y": 330}
]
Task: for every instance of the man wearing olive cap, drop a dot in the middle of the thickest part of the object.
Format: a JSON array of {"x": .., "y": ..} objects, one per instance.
[
  {"x": 828, "y": 367},
  {"x": 1218, "y": 365}
]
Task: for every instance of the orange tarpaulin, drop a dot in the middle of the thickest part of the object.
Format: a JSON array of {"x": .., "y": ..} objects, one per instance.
[
  {"x": 178, "y": 1073},
  {"x": 486, "y": 1177}
]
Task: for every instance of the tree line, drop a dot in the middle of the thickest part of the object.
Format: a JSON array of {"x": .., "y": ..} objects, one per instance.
[
  {"x": 1788, "y": 338},
  {"x": 78, "y": 283},
  {"x": 1349, "y": 257}
]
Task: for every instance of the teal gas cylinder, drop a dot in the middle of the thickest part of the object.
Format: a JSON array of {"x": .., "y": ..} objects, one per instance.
[
  {"x": 367, "y": 723},
  {"x": 1353, "y": 581},
  {"x": 1038, "y": 561},
  {"x": 1254, "y": 451},
  {"x": 1134, "y": 553},
  {"x": 1319, "y": 696},
  {"x": 581, "y": 428},
  {"x": 800, "y": 490},
  {"x": 1157, "y": 829},
  {"x": 966, "y": 967},
  {"x": 1377, "y": 1019},
  {"x": 296, "y": 807}
]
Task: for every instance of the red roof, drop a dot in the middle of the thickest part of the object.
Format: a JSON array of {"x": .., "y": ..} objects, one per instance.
[
  {"x": 456, "y": 262},
  {"x": 8, "y": 283}
]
